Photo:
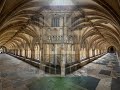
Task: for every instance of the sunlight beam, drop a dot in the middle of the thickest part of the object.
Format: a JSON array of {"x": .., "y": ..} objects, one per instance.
[{"x": 61, "y": 2}]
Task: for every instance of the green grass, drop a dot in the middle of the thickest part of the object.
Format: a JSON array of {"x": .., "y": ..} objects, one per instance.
[{"x": 64, "y": 83}]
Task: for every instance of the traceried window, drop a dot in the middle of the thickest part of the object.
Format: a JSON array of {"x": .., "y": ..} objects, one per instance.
[{"x": 55, "y": 22}]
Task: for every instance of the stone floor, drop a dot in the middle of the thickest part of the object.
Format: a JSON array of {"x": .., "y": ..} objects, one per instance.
[
  {"x": 102, "y": 69},
  {"x": 16, "y": 74},
  {"x": 98, "y": 75}
]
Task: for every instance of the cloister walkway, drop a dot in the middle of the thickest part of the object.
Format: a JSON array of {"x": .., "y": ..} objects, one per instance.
[
  {"x": 15, "y": 74},
  {"x": 100, "y": 75},
  {"x": 104, "y": 69}
]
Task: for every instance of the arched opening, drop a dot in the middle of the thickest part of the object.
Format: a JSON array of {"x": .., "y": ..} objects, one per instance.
[
  {"x": 2, "y": 49},
  {"x": 111, "y": 49},
  {"x": 65, "y": 33}
]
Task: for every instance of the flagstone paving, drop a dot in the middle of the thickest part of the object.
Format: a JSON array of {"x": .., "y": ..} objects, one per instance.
[
  {"x": 98, "y": 75},
  {"x": 101, "y": 69},
  {"x": 16, "y": 74}
]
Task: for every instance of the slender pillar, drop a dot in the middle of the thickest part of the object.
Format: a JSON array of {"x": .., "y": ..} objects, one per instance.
[
  {"x": 26, "y": 53},
  {"x": 93, "y": 52},
  {"x": 87, "y": 53},
  {"x": 32, "y": 53},
  {"x": 63, "y": 61},
  {"x": 20, "y": 52}
]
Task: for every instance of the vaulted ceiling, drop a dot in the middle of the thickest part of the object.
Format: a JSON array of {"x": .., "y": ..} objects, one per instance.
[{"x": 15, "y": 16}]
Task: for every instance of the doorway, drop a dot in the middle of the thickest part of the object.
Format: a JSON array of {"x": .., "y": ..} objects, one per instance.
[{"x": 111, "y": 49}]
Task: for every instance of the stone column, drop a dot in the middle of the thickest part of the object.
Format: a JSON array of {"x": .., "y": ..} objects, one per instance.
[
  {"x": 118, "y": 56},
  {"x": 87, "y": 53},
  {"x": 32, "y": 54},
  {"x": 93, "y": 52},
  {"x": 20, "y": 52},
  {"x": 63, "y": 65},
  {"x": 26, "y": 53},
  {"x": 63, "y": 61},
  {"x": 77, "y": 53}
]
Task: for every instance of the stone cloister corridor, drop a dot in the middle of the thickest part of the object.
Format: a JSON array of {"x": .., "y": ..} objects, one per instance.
[{"x": 59, "y": 44}]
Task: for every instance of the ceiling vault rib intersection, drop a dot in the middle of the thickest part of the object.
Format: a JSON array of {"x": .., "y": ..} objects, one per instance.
[{"x": 17, "y": 16}]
